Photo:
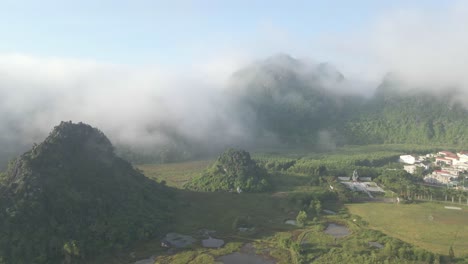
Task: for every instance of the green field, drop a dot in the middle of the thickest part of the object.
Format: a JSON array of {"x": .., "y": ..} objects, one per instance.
[
  {"x": 175, "y": 174},
  {"x": 428, "y": 225}
]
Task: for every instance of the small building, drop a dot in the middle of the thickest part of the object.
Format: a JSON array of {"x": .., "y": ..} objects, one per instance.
[
  {"x": 454, "y": 159},
  {"x": 463, "y": 156},
  {"x": 443, "y": 177},
  {"x": 461, "y": 167},
  {"x": 411, "y": 169},
  {"x": 408, "y": 159},
  {"x": 446, "y": 153}
]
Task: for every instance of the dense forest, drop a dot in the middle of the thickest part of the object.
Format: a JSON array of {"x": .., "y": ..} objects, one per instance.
[
  {"x": 71, "y": 197},
  {"x": 412, "y": 117}
]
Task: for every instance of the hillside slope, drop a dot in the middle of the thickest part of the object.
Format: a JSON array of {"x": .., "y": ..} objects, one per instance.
[{"x": 71, "y": 197}]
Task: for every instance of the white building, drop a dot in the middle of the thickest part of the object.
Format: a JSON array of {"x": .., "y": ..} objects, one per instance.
[
  {"x": 408, "y": 159},
  {"x": 463, "y": 156},
  {"x": 462, "y": 167}
]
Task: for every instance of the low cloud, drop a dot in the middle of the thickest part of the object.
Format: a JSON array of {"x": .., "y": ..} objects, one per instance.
[
  {"x": 425, "y": 49},
  {"x": 134, "y": 105}
]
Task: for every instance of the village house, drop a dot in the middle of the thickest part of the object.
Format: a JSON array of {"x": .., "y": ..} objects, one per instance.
[
  {"x": 454, "y": 160},
  {"x": 441, "y": 177},
  {"x": 446, "y": 153},
  {"x": 461, "y": 167},
  {"x": 443, "y": 161}
]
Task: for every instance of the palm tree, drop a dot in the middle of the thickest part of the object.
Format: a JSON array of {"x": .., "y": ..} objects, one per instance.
[
  {"x": 446, "y": 192},
  {"x": 425, "y": 192},
  {"x": 429, "y": 193},
  {"x": 415, "y": 192},
  {"x": 461, "y": 195}
]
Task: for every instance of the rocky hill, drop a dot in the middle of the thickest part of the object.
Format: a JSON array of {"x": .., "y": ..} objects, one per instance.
[
  {"x": 233, "y": 170},
  {"x": 71, "y": 197}
]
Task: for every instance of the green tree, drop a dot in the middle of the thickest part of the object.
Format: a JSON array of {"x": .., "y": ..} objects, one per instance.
[
  {"x": 301, "y": 218},
  {"x": 446, "y": 193},
  {"x": 71, "y": 251},
  {"x": 461, "y": 195},
  {"x": 318, "y": 207},
  {"x": 451, "y": 253}
]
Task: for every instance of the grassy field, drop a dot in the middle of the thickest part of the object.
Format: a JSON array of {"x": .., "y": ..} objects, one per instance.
[
  {"x": 219, "y": 210},
  {"x": 175, "y": 174},
  {"x": 428, "y": 225}
]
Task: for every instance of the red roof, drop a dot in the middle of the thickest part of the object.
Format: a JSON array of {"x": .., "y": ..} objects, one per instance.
[
  {"x": 442, "y": 171},
  {"x": 443, "y": 159},
  {"x": 447, "y": 153}
]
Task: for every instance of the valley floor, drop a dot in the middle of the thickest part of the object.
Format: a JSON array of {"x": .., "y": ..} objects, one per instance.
[
  {"x": 428, "y": 225},
  {"x": 421, "y": 232}
]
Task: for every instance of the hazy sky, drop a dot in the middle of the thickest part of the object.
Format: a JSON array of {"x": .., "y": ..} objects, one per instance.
[
  {"x": 130, "y": 66},
  {"x": 179, "y": 32}
]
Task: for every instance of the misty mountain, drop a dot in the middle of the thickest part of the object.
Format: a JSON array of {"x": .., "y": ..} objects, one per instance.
[
  {"x": 277, "y": 102},
  {"x": 395, "y": 115},
  {"x": 291, "y": 100},
  {"x": 305, "y": 105},
  {"x": 71, "y": 197}
]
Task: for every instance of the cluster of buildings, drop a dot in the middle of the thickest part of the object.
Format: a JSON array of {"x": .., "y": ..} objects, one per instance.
[{"x": 451, "y": 166}]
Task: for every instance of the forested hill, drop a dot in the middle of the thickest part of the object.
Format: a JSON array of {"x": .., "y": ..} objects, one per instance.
[
  {"x": 414, "y": 116},
  {"x": 71, "y": 197},
  {"x": 306, "y": 104}
]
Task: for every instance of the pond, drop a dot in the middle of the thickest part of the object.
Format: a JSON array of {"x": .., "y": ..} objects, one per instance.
[
  {"x": 290, "y": 222},
  {"x": 179, "y": 240},
  {"x": 337, "y": 231}
]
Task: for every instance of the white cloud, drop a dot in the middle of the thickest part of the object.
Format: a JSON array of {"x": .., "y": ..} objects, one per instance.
[{"x": 126, "y": 102}]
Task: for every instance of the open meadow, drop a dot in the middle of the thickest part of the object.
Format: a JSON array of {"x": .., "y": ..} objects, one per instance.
[
  {"x": 174, "y": 174},
  {"x": 427, "y": 225}
]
